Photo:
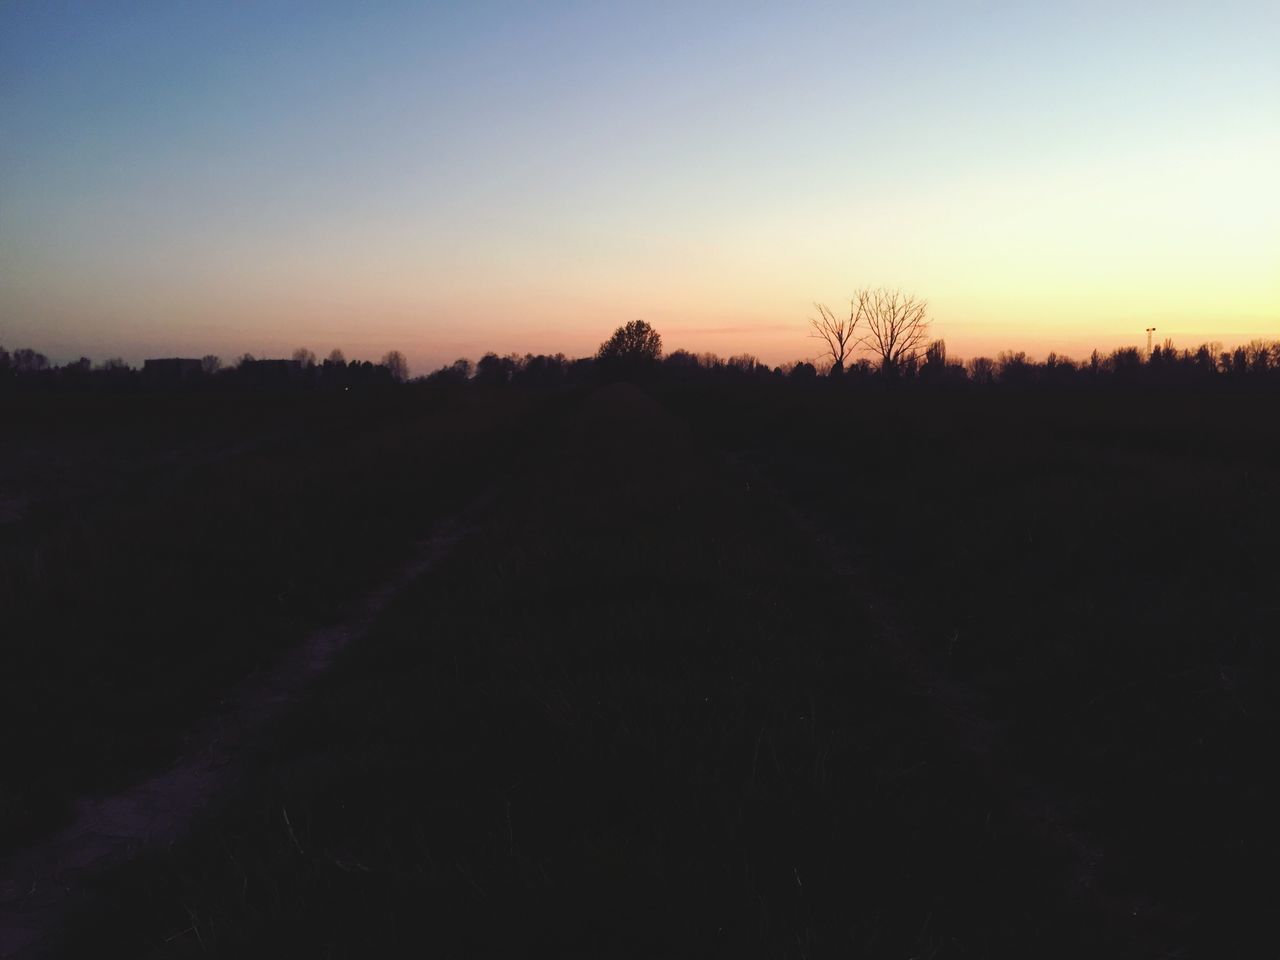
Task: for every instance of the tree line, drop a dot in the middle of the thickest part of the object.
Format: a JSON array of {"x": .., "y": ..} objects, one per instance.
[
  {"x": 26, "y": 366},
  {"x": 1255, "y": 362},
  {"x": 882, "y": 336}
]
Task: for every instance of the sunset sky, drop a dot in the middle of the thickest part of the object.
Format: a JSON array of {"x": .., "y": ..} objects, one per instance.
[{"x": 182, "y": 179}]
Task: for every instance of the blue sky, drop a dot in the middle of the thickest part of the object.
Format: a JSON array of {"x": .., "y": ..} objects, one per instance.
[{"x": 192, "y": 178}]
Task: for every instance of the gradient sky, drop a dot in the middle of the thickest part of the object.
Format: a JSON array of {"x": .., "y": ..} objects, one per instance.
[{"x": 181, "y": 179}]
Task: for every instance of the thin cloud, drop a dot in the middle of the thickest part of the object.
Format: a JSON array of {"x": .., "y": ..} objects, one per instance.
[{"x": 752, "y": 328}]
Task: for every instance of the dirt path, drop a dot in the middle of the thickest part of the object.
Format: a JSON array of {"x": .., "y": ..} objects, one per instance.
[{"x": 39, "y": 884}]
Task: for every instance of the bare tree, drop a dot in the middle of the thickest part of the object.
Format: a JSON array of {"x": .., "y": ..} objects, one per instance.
[
  {"x": 1260, "y": 355},
  {"x": 336, "y": 357},
  {"x": 897, "y": 326},
  {"x": 981, "y": 369},
  {"x": 836, "y": 333},
  {"x": 397, "y": 365},
  {"x": 305, "y": 357},
  {"x": 210, "y": 364}
]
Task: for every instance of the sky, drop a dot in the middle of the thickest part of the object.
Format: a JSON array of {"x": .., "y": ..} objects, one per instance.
[{"x": 447, "y": 179}]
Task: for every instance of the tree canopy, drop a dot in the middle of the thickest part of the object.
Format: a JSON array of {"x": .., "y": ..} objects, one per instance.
[{"x": 633, "y": 347}]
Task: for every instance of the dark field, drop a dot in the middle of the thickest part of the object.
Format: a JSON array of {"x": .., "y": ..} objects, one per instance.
[
  {"x": 161, "y": 546},
  {"x": 764, "y": 669},
  {"x": 1098, "y": 575}
]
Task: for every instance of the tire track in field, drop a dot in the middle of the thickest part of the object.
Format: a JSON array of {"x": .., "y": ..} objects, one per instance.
[
  {"x": 964, "y": 714},
  {"x": 40, "y": 883}
]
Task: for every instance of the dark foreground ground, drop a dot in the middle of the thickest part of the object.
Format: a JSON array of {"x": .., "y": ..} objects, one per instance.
[
  {"x": 1100, "y": 573},
  {"x": 746, "y": 672},
  {"x": 156, "y": 547}
]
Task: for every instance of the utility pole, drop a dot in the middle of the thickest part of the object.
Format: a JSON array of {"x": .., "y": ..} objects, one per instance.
[{"x": 1150, "y": 331}]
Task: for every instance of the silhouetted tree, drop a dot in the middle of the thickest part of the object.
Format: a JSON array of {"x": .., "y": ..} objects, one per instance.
[
  {"x": 710, "y": 361},
  {"x": 804, "y": 370},
  {"x": 897, "y": 327},
  {"x": 1012, "y": 367},
  {"x": 495, "y": 370},
  {"x": 981, "y": 369},
  {"x": 681, "y": 364},
  {"x": 457, "y": 372},
  {"x": 542, "y": 370},
  {"x": 1258, "y": 356},
  {"x": 936, "y": 353},
  {"x": 396, "y": 365},
  {"x": 27, "y": 361},
  {"x": 634, "y": 348},
  {"x": 1059, "y": 369},
  {"x": 305, "y": 357},
  {"x": 337, "y": 357},
  {"x": 935, "y": 360},
  {"x": 1125, "y": 362},
  {"x": 838, "y": 334},
  {"x": 1206, "y": 361},
  {"x": 210, "y": 364},
  {"x": 937, "y": 369}
]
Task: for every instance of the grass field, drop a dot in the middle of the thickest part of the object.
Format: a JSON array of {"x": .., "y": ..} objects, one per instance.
[
  {"x": 781, "y": 671},
  {"x": 1100, "y": 569},
  {"x": 165, "y": 545}
]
